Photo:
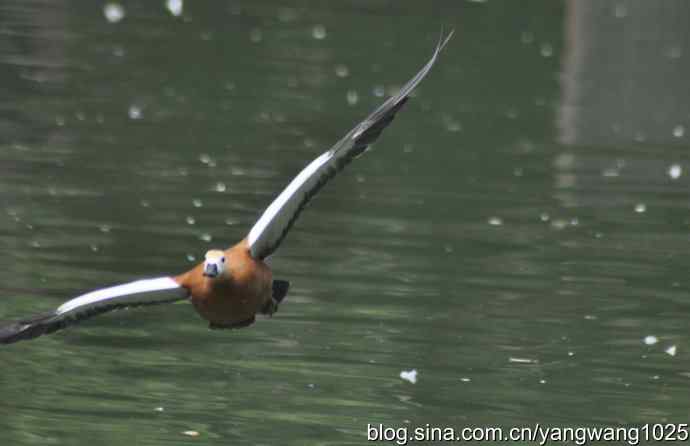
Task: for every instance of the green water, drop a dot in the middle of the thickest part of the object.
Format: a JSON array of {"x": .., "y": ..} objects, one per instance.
[{"x": 511, "y": 244}]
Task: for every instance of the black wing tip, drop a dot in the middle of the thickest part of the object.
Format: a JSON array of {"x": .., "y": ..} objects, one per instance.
[
  {"x": 14, "y": 331},
  {"x": 443, "y": 41}
]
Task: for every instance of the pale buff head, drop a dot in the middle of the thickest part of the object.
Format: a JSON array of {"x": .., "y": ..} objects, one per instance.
[{"x": 215, "y": 264}]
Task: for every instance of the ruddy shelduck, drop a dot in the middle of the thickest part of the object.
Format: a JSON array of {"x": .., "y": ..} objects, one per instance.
[{"x": 231, "y": 286}]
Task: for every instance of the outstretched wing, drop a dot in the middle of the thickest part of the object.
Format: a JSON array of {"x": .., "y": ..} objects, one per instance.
[
  {"x": 133, "y": 294},
  {"x": 267, "y": 233}
]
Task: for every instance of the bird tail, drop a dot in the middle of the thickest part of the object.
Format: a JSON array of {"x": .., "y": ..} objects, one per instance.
[
  {"x": 280, "y": 289},
  {"x": 29, "y": 328}
]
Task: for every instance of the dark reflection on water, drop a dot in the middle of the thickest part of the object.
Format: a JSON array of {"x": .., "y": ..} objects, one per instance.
[{"x": 518, "y": 271}]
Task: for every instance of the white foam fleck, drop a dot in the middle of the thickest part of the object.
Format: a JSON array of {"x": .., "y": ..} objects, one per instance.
[
  {"x": 256, "y": 35},
  {"x": 318, "y": 32},
  {"x": 175, "y": 7},
  {"x": 675, "y": 171},
  {"x": 546, "y": 50},
  {"x": 678, "y": 131},
  {"x": 522, "y": 360},
  {"x": 640, "y": 208},
  {"x": 113, "y": 12},
  {"x": 352, "y": 97},
  {"x": 650, "y": 340},
  {"x": 671, "y": 350},
  {"x": 409, "y": 375},
  {"x": 341, "y": 70},
  {"x": 134, "y": 112}
]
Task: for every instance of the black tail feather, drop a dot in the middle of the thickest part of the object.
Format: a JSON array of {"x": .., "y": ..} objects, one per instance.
[
  {"x": 13, "y": 331},
  {"x": 280, "y": 289}
]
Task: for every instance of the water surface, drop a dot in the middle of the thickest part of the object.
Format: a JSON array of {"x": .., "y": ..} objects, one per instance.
[{"x": 500, "y": 241}]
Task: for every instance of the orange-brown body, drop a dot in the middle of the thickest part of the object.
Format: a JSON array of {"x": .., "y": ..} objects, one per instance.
[{"x": 233, "y": 298}]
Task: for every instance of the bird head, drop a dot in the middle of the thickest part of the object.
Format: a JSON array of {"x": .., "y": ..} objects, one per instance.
[{"x": 214, "y": 263}]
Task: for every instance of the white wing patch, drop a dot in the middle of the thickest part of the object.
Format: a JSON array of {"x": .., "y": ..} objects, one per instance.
[
  {"x": 281, "y": 208},
  {"x": 139, "y": 292}
]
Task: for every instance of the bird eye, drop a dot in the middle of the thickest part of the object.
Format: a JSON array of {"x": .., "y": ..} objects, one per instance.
[{"x": 222, "y": 259}]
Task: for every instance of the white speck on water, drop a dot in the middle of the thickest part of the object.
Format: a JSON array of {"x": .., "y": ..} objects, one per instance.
[
  {"x": 94, "y": 247},
  {"x": 671, "y": 350},
  {"x": 495, "y": 221},
  {"x": 206, "y": 159},
  {"x": 453, "y": 126},
  {"x": 678, "y": 131},
  {"x": 119, "y": 51},
  {"x": 409, "y": 375},
  {"x": 113, "y": 12},
  {"x": 256, "y": 35},
  {"x": 674, "y": 52},
  {"x": 60, "y": 121},
  {"x": 542, "y": 381},
  {"x": 190, "y": 433},
  {"x": 134, "y": 112},
  {"x": 574, "y": 221},
  {"x": 35, "y": 244},
  {"x": 175, "y": 7},
  {"x": 640, "y": 208},
  {"x": 610, "y": 172},
  {"x": 379, "y": 91},
  {"x": 104, "y": 228},
  {"x": 318, "y": 32},
  {"x": 159, "y": 409},
  {"x": 197, "y": 203},
  {"x": 546, "y": 50},
  {"x": 465, "y": 379},
  {"x": 145, "y": 203},
  {"x": 231, "y": 221},
  {"x": 571, "y": 353},
  {"x": 526, "y": 37},
  {"x": 620, "y": 11},
  {"x": 675, "y": 171},
  {"x": 220, "y": 187},
  {"x": 656, "y": 377},
  {"x": 237, "y": 171},
  {"x": 559, "y": 224},
  {"x": 341, "y": 70},
  {"x": 191, "y": 257},
  {"x": 590, "y": 317},
  {"x": 522, "y": 360},
  {"x": 206, "y": 237},
  {"x": 311, "y": 385},
  {"x": 650, "y": 340},
  {"x": 190, "y": 220},
  {"x": 352, "y": 97}
]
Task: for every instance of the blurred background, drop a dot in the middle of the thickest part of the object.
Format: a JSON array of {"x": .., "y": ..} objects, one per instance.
[{"x": 513, "y": 250}]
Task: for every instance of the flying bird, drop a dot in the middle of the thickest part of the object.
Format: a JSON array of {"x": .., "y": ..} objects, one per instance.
[{"x": 231, "y": 286}]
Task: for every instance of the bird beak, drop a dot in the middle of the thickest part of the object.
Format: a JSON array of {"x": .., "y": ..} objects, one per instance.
[{"x": 210, "y": 269}]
